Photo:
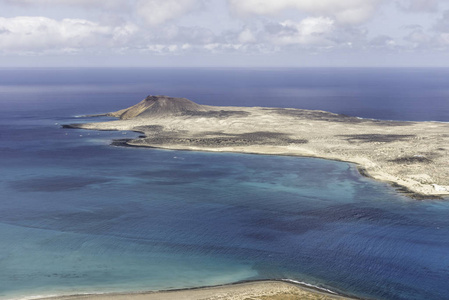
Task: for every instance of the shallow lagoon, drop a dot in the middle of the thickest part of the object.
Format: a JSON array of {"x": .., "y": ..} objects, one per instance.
[{"x": 78, "y": 215}]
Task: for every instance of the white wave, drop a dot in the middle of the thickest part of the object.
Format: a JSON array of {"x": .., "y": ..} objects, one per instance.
[{"x": 309, "y": 285}]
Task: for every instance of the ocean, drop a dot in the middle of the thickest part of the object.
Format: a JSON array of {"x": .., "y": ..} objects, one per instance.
[{"x": 78, "y": 215}]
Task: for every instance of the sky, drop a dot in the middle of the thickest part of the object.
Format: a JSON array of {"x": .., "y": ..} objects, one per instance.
[{"x": 224, "y": 33}]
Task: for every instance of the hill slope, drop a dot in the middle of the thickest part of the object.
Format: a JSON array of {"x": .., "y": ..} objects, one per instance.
[{"x": 158, "y": 106}]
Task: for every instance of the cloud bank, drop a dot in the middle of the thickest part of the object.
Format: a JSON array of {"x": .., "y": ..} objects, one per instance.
[
  {"x": 39, "y": 34},
  {"x": 237, "y": 27}
]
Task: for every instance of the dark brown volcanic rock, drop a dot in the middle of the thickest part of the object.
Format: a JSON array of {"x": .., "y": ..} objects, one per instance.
[{"x": 158, "y": 106}]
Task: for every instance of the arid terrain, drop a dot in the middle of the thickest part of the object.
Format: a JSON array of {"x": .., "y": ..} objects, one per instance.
[{"x": 413, "y": 156}]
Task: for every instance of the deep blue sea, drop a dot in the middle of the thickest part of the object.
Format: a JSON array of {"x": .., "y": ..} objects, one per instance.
[{"x": 78, "y": 215}]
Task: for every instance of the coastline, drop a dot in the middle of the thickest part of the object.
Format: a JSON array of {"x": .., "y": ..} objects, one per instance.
[
  {"x": 404, "y": 190},
  {"x": 262, "y": 289},
  {"x": 410, "y": 156}
]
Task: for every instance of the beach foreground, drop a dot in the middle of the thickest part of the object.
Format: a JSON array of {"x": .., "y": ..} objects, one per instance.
[
  {"x": 262, "y": 290},
  {"x": 412, "y": 156}
]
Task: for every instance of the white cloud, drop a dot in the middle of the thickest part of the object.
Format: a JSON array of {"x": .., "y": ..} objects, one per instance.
[
  {"x": 418, "y": 38},
  {"x": 224, "y": 48},
  {"x": 442, "y": 24},
  {"x": 163, "y": 49},
  {"x": 430, "y": 40},
  {"x": 419, "y": 5},
  {"x": 443, "y": 39},
  {"x": 153, "y": 12},
  {"x": 344, "y": 11},
  {"x": 109, "y": 4},
  {"x": 156, "y": 12},
  {"x": 246, "y": 36},
  {"x": 181, "y": 35},
  {"x": 310, "y": 31},
  {"x": 442, "y": 31},
  {"x": 40, "y": 34},
  {"x": 382, "y": 41}
]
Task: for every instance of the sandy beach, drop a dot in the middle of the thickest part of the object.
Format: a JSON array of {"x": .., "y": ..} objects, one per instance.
[
  {"x": 412, "y": 156},
  {"x": 261, "y": 290}
]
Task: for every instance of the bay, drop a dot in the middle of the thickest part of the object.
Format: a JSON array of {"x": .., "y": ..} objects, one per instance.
[{"x": 79, "y": 215}]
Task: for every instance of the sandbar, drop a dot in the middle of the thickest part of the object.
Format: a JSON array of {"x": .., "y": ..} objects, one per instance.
[{"x": 261, "y": 290}]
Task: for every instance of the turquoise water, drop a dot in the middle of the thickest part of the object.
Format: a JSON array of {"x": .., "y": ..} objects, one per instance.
[{"x": 78, "y": 215}]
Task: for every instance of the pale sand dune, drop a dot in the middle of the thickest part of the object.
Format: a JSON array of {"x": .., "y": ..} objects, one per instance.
[
  {"x": 262, "y": 290},
  {"x": 411, "y": 155}
]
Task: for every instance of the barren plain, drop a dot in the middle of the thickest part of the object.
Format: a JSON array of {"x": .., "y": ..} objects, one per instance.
[{"x": 412, "y": 156}]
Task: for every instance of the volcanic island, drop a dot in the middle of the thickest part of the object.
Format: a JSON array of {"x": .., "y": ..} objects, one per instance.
[{"x": 412, "y": 156}]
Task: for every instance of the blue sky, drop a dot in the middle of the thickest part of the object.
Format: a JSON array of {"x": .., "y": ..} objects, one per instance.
[{"x": 224, "y": 33}]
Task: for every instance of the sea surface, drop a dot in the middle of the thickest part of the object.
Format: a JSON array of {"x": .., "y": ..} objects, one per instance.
[{"x": 78, "y": 215}]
